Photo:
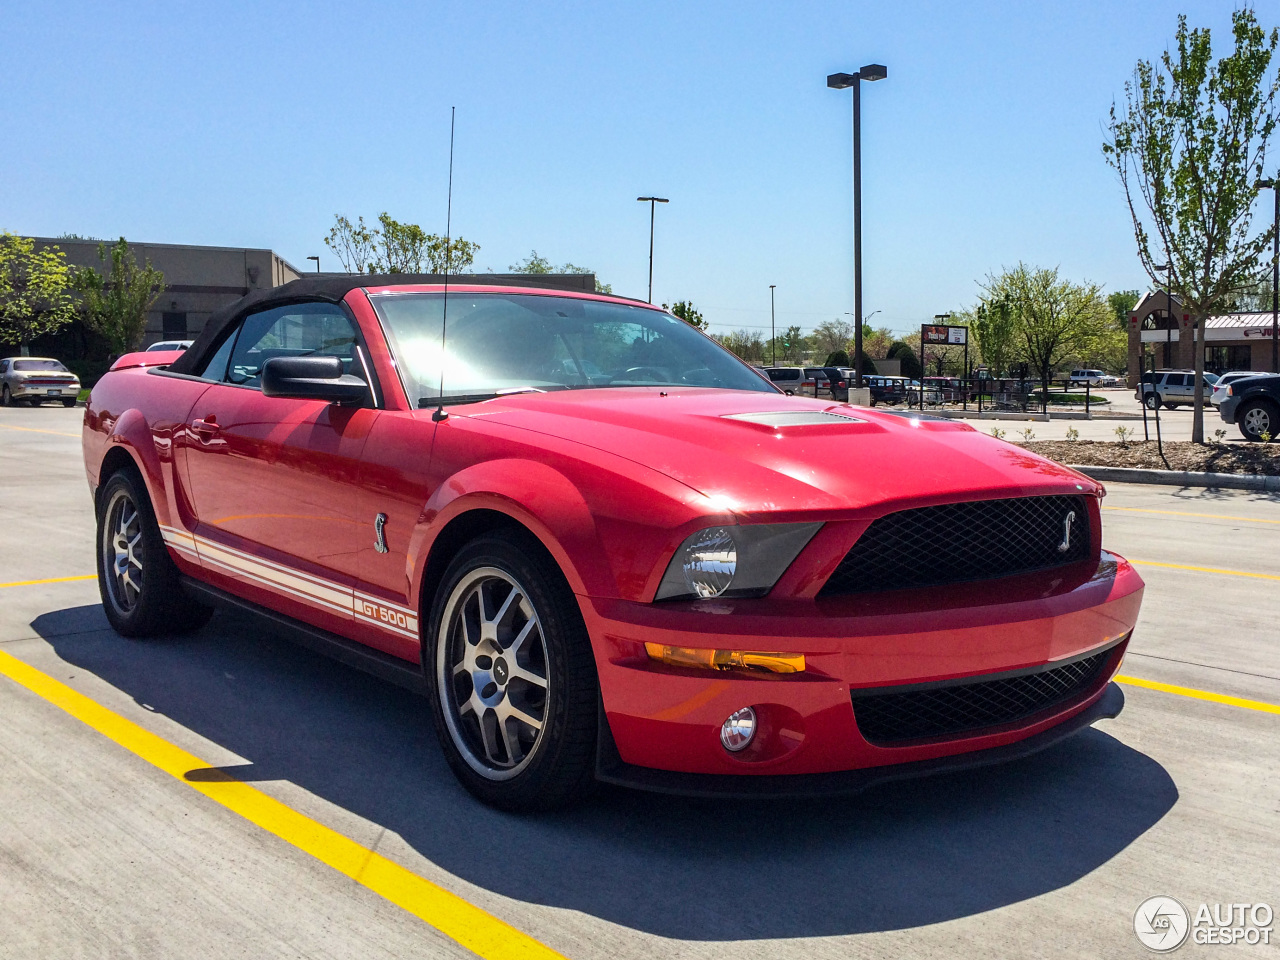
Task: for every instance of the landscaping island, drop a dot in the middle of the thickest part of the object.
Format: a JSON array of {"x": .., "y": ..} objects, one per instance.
[{"x": 1258, "y": 459}]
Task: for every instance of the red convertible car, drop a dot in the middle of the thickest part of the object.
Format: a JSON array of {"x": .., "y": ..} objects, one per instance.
[{"x": 604, "y": 547}]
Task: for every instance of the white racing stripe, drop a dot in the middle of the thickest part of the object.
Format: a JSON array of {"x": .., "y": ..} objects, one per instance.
[{"x": 295, "y": 584}]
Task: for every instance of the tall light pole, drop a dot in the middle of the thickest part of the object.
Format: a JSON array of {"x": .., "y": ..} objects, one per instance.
[
  {"x": 317, "y": 260},
  {"x": 843, "y": 81},
  {"x": 1275, "y": 278},
  {"x": 651, "y": 201},
  {"x": 773, "y": 325}
]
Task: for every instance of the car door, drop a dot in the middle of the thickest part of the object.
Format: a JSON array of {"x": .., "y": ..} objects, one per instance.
[{"x": 273, "y": 480}]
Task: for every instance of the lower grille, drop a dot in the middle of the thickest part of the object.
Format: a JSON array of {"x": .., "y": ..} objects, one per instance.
[{"x": 943, "y": 711}]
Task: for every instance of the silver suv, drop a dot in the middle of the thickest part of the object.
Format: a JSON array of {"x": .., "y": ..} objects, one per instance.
[{"x": 1173, "y": 388}]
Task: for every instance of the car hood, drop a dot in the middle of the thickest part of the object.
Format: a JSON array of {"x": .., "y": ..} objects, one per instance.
[{"x": 761, "y": 453}]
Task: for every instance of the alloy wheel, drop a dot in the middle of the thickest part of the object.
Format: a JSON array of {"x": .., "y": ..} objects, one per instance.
[
  {"x": 1257, "y": 421},
  {"x": 492, "y": 673},
  {"x": 122, "y": 552}
]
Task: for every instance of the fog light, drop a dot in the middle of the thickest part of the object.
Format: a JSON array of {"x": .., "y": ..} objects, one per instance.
[{"x": 737, "y": 731}]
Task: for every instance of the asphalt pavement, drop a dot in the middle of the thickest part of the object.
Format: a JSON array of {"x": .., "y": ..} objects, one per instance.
[{"x": 104, "y": 854}]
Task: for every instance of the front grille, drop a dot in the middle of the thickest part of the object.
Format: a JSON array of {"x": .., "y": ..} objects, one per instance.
[
  {"x": 944, "y": 711},
  {"x": 959, "y": 542}
]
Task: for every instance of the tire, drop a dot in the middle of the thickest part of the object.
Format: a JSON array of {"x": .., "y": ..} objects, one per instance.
[
  {"x": 1172, "y": 406},
  {"x": 1257, "y": 417},
  {"x": 68, "y": 403},
  {"x": 1152, "y": 400},
  {"x": 6, "y": 398},
  {"x": 528, "y": 657},
  {"x": 142, "y": 595}
]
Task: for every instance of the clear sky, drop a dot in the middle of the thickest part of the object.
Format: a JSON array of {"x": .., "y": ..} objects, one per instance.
[{"x": 253, "y": 124}]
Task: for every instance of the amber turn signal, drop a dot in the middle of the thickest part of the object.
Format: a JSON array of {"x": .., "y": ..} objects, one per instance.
[{"x": 725, "y": 659}]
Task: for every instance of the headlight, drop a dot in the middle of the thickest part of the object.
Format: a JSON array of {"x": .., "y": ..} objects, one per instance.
[{"x": 733, "y": 561}]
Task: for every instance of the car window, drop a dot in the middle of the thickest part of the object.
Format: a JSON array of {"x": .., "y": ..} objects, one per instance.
[
  {"x": 32, "y": 365},
  {"x": 296, "y": 330}
]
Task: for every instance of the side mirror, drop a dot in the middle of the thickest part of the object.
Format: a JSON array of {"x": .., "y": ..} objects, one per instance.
[{"x": 311, "y": 378}]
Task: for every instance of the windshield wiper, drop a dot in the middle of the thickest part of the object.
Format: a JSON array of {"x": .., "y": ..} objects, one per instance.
[{"x": 450, "y": 399}]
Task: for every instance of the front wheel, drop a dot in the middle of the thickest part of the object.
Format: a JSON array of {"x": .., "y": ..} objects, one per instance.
[
  {"x": 512, "y": 677},
  {"x": 69, "y": 403},
  {"x": 1172, "y": 406},
  {"x": 1259, "y": 420}
]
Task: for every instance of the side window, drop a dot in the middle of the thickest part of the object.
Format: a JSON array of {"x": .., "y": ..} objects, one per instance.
[
  {"x": 216, "y": 367},
  {"x": 296, "y": 330}
]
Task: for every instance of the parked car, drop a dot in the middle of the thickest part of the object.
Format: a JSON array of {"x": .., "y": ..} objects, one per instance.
[
  {"x": 171, "y": 345},
  {"x": 835, "y": 381},
  {"x": 1173, "y": 388},
  {"x": 887, "y": 389},
  {"x": 1253, "y": 404},
  {"x": 788, "y": 379},
  {"x": 1220, "y": 388},
  {"x": 1095, "y": 378},
  {"x": 35, "y": 380},
  {"x": 676, "y": 580}
]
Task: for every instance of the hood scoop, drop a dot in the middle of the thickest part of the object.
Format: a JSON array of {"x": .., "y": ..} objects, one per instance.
[{"x": 793, "y": 418}]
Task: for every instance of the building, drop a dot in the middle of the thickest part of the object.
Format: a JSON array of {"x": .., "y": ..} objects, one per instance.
[
  {"x": 198, "y": 280},
  {"x": 1159, "y": 327}
]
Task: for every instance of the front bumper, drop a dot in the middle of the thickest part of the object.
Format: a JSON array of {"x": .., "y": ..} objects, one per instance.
[
  {"x": 668, "y": 719},
  {"x": 1228, "y": 409}
]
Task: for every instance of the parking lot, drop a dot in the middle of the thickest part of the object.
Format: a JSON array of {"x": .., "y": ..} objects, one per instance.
[{"x": 126, "y": 828}]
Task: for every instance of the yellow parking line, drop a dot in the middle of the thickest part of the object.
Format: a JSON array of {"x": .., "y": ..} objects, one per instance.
[
  {"x": 56, "y": 433},
  {"x": 1201, "y": 694},
  {"x": 33, "y": 583},
  {"x": 1184, "y": 513},
  {"x": 1229, "y": 573},
  {"x": 473, "y": 928}
]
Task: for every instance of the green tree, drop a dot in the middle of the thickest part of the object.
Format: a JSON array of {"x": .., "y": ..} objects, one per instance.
[
  {"x": 1122, "y": 303},
  {"x": 995, "y": 332},
  {"x": 747, "y": 344},
  {"x": 116, "y": 306},
  {"x": 539, "y": 265},
  {"x": 397, "y": 247},
  {"x": 1056, "y": 319},
  {"x": 1189, "y": 147},
  {"x": 838, "y": 358},
  {"x": 35, "y": 290},
  {"x": 907, "y": 359},
  {"x": 685, "y": 310},
  {"x": 832, "y": 335},
  {"x": 354, "y": 244}
]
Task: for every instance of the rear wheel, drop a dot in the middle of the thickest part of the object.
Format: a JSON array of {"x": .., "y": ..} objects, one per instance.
[
  {"x": 512, "y": 677},
  {"x": 141, "y": 592},
  {"x": 1258, "y": 418},
  {"x": 1152, "y": 400},
  {"x": 69, "y": 403}
]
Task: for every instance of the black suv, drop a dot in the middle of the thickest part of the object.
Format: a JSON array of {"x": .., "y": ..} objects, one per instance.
[{"x": 1253, "y": 404}]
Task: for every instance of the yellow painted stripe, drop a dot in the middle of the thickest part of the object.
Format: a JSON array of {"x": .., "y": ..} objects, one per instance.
[
  {"x": 1201, "y": 694},
  {"x": 56, "y": 433},
  {"x": 473, "y": 928},
  {"x": 1228, "y": 573},
  {"x": 1183, "y": 513},
  {"x": 33, "y": 583}
]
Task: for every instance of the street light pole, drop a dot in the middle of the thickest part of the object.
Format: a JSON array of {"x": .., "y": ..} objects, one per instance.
[
  {"x": 651, "y": 201},
  {"x": 842, "y": 81},
  {"x": 317, "y": 260},
  {"x": 773, "y": 325}
]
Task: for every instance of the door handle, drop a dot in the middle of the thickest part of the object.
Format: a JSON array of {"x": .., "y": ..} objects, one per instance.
[{"x": 204, "y": 429}]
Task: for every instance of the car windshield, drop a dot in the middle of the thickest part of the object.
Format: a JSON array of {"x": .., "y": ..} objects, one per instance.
[
  {"x": 38, "y": 365},
  {"x": 510, "y": 343}
]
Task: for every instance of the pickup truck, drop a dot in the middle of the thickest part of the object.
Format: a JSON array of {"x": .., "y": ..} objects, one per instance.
[{"x": 1253, "y": 404}]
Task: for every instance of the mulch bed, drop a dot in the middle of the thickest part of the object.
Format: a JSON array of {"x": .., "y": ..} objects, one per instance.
[{"x": 1235, "y": 457}]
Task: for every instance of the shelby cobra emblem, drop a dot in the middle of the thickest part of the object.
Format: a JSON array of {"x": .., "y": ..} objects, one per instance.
[{"x": 1065, "y": 545}]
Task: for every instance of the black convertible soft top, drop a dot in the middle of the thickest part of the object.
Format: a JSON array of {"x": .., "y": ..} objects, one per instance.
[{"x": 332, "y": 288}]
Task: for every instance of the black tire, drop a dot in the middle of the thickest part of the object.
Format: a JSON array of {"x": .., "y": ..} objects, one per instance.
[
  {"x": 1256, "y": 417},
  {"x": 471, "y": 684},
  {"x": 6, "y": 398},
  {"x": 146, "y": 598},
  {"x": 68, "y": 403},
  {"x": 1172, "y": 406},
  {"x": 1152, "y": 400}
]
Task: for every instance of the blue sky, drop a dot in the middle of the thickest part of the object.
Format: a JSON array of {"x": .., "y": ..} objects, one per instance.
[{"x": 253, "y": 124}]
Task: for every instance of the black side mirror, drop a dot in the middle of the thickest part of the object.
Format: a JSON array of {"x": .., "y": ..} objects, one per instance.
[{"x": 311, "y": 378}]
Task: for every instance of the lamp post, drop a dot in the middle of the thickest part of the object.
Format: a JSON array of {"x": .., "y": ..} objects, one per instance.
[
  {"x": 1275, "y": 277},
  {"x": 773, "y": 325},
  {"x": 843, "y": 81},
  {"x": 651, "y": 201},
  {"x": 317, "y": 260}
]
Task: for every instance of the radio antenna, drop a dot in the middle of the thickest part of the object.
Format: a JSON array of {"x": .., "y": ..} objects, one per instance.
[{"x": 448, "y": 256}]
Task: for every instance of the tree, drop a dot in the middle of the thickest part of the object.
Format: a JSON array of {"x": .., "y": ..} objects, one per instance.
[
  {"x": 116, "y": 307},
  {"x": 35, "y": 295},
  {"x": 876, "y": 341},
  {"x": 906, "y": 358},
  {"x": 995, "y": 333},
  {"x": 1122, "y": 303},
  {"x": 747, "y": 344},
  {"x": 1056, "y": 319},
  {"x": 838, "y": 358},
  {"x": 397, "y": 248},
  {"x": 1189, "y": 147},
  {"x": 354, "y": 244},
  {"x": 832, "y": 335},
  {"x": 685, "y": 310},
  {"x": 540, "y": 265}
]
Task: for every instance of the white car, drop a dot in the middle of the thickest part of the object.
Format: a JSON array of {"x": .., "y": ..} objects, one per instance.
[
  {"x": 35, "y": 380},
  {"x": 170, "y": 345},
  {"x": 1220, "y": 388},
  {"x": 1095, "y": 378}
]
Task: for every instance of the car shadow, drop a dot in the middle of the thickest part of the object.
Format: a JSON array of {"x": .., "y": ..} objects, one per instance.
[{"x": 901, "y": 856}]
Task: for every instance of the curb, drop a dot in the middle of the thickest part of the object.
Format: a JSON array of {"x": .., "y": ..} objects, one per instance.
[
  {"x": 1034, "y": 417},
  {"x": 1180, "y": 478}
]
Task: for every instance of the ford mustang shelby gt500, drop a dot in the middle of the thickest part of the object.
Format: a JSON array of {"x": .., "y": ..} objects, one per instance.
[{"x": 604, "y": 547}]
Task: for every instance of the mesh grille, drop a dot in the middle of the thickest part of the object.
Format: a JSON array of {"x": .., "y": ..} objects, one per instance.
[
  {"x": 959, "y": 542},
  {"x": 945, "y": 711}
]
